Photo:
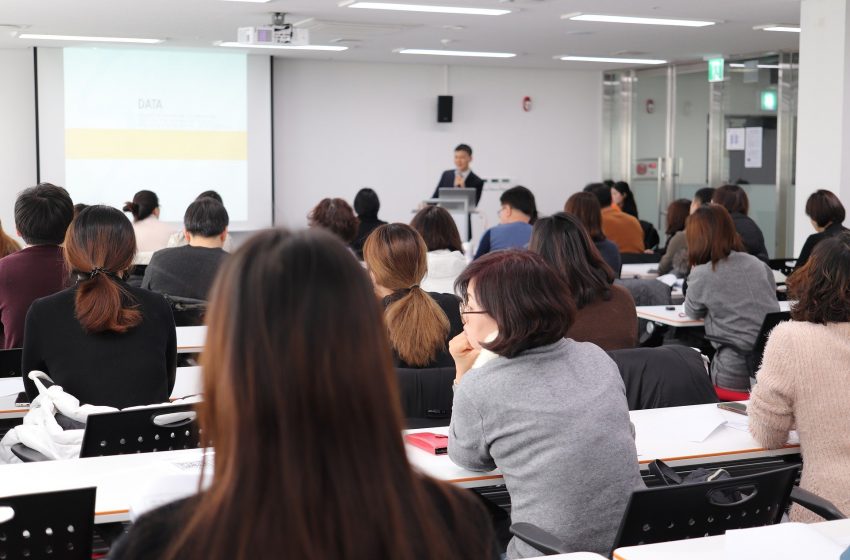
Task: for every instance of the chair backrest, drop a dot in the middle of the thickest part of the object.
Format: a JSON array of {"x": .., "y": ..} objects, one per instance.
[
  {"x": 668, "y": 513},
  {"x": 160, "y": 428},
  {"x": 426, "y": 396},
  {"x": 647, "y": 291},
  {"x": 770, "y": 321},
  {"x": 10, "y": 362},
  {"x": 188, "y": 312},
  {"x": 54, "y": 525},
  {"x": 664, "y": 376}
]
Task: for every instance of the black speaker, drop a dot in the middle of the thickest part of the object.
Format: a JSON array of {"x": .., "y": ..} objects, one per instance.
[{"x": 444, "y": 108}]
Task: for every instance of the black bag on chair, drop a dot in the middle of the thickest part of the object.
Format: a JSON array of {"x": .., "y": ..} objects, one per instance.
[{"x": 665, "y": 473}]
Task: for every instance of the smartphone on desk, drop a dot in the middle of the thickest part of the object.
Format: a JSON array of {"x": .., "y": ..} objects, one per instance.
[
  {"x": 736, "y": 407},
  {"x": 23, "y": 401}
]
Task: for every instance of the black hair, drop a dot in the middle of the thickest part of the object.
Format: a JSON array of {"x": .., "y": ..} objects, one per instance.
[
  {"x": 43, "y": 214},
  {"x": 629, "y": 206},
  {"x": 367, "y": 204},
  {"x": 464, "y": 148},
  {"x": 206, "y": 217},
  {"x": 210, "y": 194},
  {"x": 602, "y": 192},
  {"x": 704, "y": 195},
  {"x": 521, "y": 199},
  {"x": 143, "y": 205}
]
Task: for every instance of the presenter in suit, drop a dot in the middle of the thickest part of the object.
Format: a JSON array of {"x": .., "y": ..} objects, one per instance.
[{"x": 462, "y": 176}]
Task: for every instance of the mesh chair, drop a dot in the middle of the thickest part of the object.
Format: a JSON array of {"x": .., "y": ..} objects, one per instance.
[
  {"x": 49, "y": 525},
  {"x": 161, "y": 428},
  {"x": 426, "y": 396},
  {"x": 668, "y": 513},
  {"x": 188, "y": 312}
]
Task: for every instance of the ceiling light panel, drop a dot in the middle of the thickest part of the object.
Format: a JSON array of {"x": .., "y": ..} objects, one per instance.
[
  {"x": 88, "y": 39},
  {"x": 571, "y": 58},
  {"x": 425, "y": 8},
  {"x": 457, "y": 53},
  {"x": 602, "y": 18}
]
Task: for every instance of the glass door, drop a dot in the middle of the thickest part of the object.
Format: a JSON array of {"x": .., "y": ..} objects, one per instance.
[{"x": 649, "y": 141}]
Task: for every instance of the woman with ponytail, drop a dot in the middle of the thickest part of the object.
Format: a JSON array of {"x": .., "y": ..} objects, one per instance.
[
  {"x": 419, "y": 323},
  {"x": 151, "y": 234},
  {"x": 105, "y": 342}
]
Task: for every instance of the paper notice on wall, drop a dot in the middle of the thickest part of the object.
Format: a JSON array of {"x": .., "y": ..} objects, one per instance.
[
  {"x": 753, "y": 149},
  {"x": 735, "y": 139}
]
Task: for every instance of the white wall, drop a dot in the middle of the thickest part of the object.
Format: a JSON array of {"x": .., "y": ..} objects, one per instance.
[
  {"x": 343, "y": 126},
  {"x": 17, "y": 139}
]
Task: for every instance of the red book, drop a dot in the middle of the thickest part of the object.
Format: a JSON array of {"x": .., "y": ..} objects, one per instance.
[{"x": 436, "y": 444}]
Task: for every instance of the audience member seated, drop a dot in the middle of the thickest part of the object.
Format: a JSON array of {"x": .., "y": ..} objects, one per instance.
[
  {"x": 178, "y": 238},
  {"x": 702, "y": 198},
  {"x": 585, "y": 207},
  {"x": 103, "y": 341},
  {"x": 309, "y": 462},
  {"x": 735, "y": 200},
  {"x": 419, "y": 323},
  {"x": 675, "y": 258},
  {"x": 445, "y": 251},
  {"x": 189, "y": 271},
  {"x": 367, "y": 205},
  {"x": 731, "y": 289},
  {"x": 42, "y": 215},
  {"x": 549, "y": 412},
  {"x": 802, "y": 384},
  {"x": 151, "y": 234},
  {"x": 623, "y": 198},
  {"x": 606, "y": 314},
  {"x": 8, "y": 245},
  {"x": 622, "y": 229},
  {"x": 336, "y": 216},
  {"x": 516, "y": 215},
  {"x": 826, "y": 213}
]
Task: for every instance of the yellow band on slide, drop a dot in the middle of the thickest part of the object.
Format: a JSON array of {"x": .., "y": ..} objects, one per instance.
[{"x": 93, "y": 143}]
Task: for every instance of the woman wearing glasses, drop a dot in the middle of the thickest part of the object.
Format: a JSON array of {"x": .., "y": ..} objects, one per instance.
[{"x": 549, "y": 412}]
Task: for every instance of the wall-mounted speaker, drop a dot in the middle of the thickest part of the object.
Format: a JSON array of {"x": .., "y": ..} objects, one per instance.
[{"x": 444, "y": 108}]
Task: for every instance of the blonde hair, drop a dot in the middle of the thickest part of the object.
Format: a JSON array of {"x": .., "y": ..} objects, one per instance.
[{"x": 397, "y": 258}]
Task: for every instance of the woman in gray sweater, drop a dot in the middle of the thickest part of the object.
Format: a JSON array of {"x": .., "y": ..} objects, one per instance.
[
  {"x": 731, "y": 289},
  {"x": 550, "y": 412}
]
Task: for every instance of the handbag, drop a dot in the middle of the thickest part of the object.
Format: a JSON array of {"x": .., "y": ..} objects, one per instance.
[{"x": 669, "y": 477}]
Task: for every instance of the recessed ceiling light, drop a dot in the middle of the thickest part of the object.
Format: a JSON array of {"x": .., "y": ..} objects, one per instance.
[
  {"x": 88, "y": 39},
  {"x": 778, "y": 27},
  {"x": 282, "y": 47},
  {"x": 638, "y": 20},
  {"x": 742, "y": 65},
  {"x": 610, "y": 59},
  {"x": 424, "y": 8},
  {"x": 456, "y": 53}
]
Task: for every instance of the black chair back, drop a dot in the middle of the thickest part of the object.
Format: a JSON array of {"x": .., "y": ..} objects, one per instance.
[
  {"x": 188, "y": 312},
  {"x": 426, "y": 396},
  {"x": 770, "y": 321},
  {"x": 160, "y": 428},
  {"x": 668, "y": 513},
  {"x": 49, "y": 525},
  {"x": 10, "y": 362}
]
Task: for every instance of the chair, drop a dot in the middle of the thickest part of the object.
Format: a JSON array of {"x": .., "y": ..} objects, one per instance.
[
  {"x": 144, "y": 430},
  {"x": 664, "y": 376},
  {"x": 426, "y": 396},
  {"x": 647, "y": 292},
  {"x": 188, "y": 312},
  {"x": 10, "y": 362},
  {"x": 668, "y": 513},
  {"x": 49, "y": 525},
  {"x": 651, "y": 239}
]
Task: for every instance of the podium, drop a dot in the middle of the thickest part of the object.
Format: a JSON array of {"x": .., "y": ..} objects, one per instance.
[{"x": 459, "y": 203}]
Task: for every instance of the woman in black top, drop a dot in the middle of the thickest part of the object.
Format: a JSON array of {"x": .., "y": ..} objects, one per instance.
[
  {"x": 105, "y": 342},
  {"x": 367, "y": 205},
  {"x": 735, "y": 200},
  {"x": 420, "y": 323},
  {"x": 301, "y": 402},
  {"x": 827, "y": 214}
]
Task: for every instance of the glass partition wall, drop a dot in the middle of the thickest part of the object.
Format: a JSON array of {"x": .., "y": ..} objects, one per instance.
[{"x": 668, "y": 132}]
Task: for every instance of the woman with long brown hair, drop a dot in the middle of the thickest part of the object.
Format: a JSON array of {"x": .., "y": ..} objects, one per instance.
[
  {"x": 419, "y": 323},
  {"x": 675, "y": 258},
  {"x": 585, "y": 207},
  {"x": 301, "y": 403},
  {"x": 104, "y": 341},
  {"x": 7, "y": 244},
  {"x": 445, "y": 251}
]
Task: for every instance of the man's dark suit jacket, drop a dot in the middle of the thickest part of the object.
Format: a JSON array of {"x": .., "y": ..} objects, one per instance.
[{"x": 447, "y": 181}]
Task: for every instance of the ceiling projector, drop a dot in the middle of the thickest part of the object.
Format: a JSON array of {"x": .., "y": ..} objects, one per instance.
[{"x": 278, "y": 33}]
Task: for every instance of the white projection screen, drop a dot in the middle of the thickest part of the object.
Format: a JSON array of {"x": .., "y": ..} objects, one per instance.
[{"x": 113, "y": 121}]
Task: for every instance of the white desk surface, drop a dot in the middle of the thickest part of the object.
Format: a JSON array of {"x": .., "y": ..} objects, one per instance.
[
  {"x": 712, "y": 548},
  {"x": 639, "y": 270},
  {"x": 187, "y": 382},
  {"x": 659, "y": 435},
  {"x": 191, "y": 339},
  {"x": 676, "y": 317}
]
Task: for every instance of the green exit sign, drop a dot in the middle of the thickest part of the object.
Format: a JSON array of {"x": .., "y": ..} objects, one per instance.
[
  {"x": 715, "y": 69},
  {"x": 769, "y": 100}
]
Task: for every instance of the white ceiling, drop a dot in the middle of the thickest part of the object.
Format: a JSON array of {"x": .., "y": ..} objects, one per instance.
[{"x": 534, "y": 31}]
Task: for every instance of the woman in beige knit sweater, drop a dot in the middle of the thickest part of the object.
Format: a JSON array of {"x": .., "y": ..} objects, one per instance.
[{"x": 803, "y": 380}]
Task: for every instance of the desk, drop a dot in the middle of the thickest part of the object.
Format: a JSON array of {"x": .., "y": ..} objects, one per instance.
[
  {"x": 655, "y": 439},
  {"x": 676, "y": 317},
  {"x": 191, "y": 339},
  {"x": 712, "y": 548},
  {"x": 645, "y": 271}
]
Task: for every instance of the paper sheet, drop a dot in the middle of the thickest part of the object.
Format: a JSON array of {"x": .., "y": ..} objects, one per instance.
[{"x": 785, "y": 541}]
